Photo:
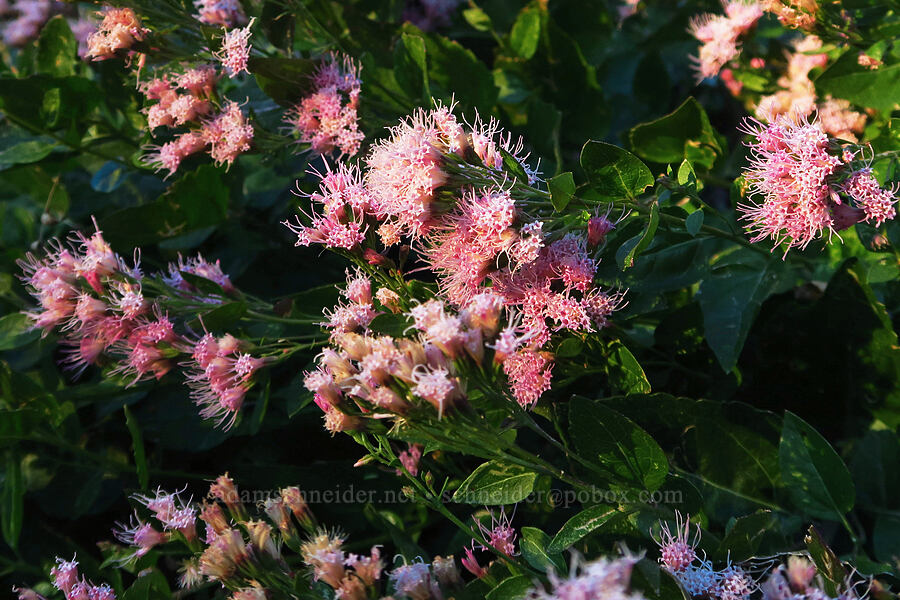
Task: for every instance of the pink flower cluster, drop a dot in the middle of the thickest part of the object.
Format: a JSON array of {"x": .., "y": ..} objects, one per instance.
[
  {"x": 697, "y": 576},
  {"x": 118, "y": 31},
  {"x": 225, "y": 13},
  {"x": 224, "y": 135},
  {"x": 235, "y": 50},
  {"x": 798, "y": 171},
  {"x": 602, "y": 579},
  {"x": 500, "y": 537},
  {"x": 344, "y": 202},
  {"x": 327, "y": 118},
  {"x": 406, "y": 170},
  {"x": 220, "y": 375},
  {"x": 797, "y": 95},
  {"x": 66, "y": 579},
  {"x": 29, "y": 17},
  {"x": 97, "y": 302},
  {"x": 485, "y": 249},
  {"x": 720, "y": 34}
]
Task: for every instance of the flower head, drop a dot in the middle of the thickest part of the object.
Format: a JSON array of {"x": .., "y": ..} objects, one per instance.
[{"x": 235, "y": 50}]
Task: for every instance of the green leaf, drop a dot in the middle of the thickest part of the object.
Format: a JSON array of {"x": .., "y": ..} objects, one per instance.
[
  {"x": 137, "y": 443},
  {"x": 827, "y": 563},
  {"x": 454, "y": 70},
  {"x": 686, "y": 173},
  {"x": 150, "y": 585},
  {"x": 684, "y": 133},
  {"x": 478, "y": 19},
  {"x": 390, "y": 324},
  {"x": 744, "y": 535},
  {"x": 846, "y": 78},
  {"x": 569, "y": 347},
  {"x": 57, "y": 48},
  {"x": 526, "y": 32},
  {"x": 199, "y": 199},
  {"x": 496, "y": 483},
  {"x": 12, "y": 500},
  {"x": 534, "y": 548},
  {"x": 816, "y": 478},
  {"x": 694, "y": 222},
  {"x": 16, "y": 330},
  {"x": 628, "y": 251},
  {"x": 625, "y": 373},
  {"x": 30, "y": 151},
  {"x": 410, "y": 66},
  {"x": 581, "y": 525},
  {"x": 562, "y": 188},
  {"x": 624, "y": 454},
  {"x": 514, "y": 588},
  {"x": 730, "y": 298},
  {"x": 614, "y": 172},
  {"x": 886, "y": 537}
]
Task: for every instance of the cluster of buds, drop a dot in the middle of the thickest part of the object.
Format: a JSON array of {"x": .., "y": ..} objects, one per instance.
[
  {"x": 796, "y": 14},
  {"x": 220, "y": 375},
  {"x": 185, "y": 101},
  {"x": 66, "y": 579},
  {"x": 678, "y": 556},
  {"x": 223, "y": 13},
  {"x": 117, "y": 32},
  {"x": 602, "y": 579},
  {"x": 327, "y": 118},
  {"x": 355, "y": 577},
  {"x": 98, "y": 303},
  {"x": 720, "y": 34},
  {"x": 809, "y": 182},
  {"x": 797, "y": 95}
]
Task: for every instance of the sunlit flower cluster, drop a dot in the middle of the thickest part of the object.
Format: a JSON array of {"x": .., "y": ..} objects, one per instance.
[
  {"x": 806, "y": 181},
  {"x": 235, "y": 50},
  {"x": 327, "y": 118},
  {"x": 118, "y": 31},
  {"x": 720, "y": 34},
  {"x": 100, "y": 305},
  {"x": 185, "y": 101},
  {"x": 602, "y": 579},
  {"x": 66, "y": 579},
  {"x": 797, "y": 14}
]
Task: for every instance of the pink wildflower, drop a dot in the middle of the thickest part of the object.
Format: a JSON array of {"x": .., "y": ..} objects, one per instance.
[
  {"x": 404, "y": 173},
  {"x": 228, "y": 133},
  {"x": 344, "y": 201},
  {"x": 602, "y": 578},
  {"x": 876, "y": 202},
  {"x": 734, "y": 584},
  {"x": 529, "y": 375},
  {"x": 119, "y": 30},
  {"x": 220, "y": 381},
  {"x": 140, "y": 535},
  {"x": 409, "y": 458},
  {"x": 415, "y": 581},
  {"x": 226, "y": 13},
  {"x": 235, "y": 50},
  {"x": 197, "y": 265},
  {"x": 790, "y": 166},
  {"x": 678, "y": 550},
  {"x": 65, "y": 575},
  {"x": 434, "y": 386},
  {"x": 720, "y": 34},
  {"x": 199, "y": 81},
  {"x": 501, "y": 535},
  {"x": 470, "y": 563},
  {"x": 327, "y": 118}
]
